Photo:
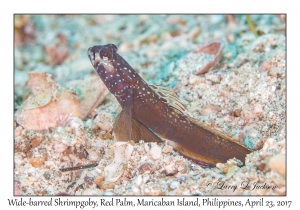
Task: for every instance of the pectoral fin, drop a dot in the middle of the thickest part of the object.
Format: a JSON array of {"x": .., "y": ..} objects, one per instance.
[
  {"x": 123, "y": 126},
  {"x": 127, "y": 128},
  {"x": 123, "y": 123}
]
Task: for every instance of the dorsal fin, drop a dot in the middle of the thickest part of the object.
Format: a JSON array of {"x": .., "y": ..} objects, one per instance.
[{"x": 171, "y": 98}]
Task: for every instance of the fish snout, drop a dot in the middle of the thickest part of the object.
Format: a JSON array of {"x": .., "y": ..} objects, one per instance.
[{"x": 93, "y": 54}]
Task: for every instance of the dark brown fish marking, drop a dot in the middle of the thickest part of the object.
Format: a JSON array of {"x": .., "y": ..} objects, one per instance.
[{"x": 151, "y": 112}]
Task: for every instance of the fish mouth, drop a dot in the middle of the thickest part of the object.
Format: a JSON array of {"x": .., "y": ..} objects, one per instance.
[{"x": 94, "y": 56}]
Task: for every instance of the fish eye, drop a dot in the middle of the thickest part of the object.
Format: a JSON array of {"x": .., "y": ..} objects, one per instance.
[{"x": 105, "y": 54}]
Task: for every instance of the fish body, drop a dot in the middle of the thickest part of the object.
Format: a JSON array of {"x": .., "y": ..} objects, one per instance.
[{"x": 151, "y": 112}]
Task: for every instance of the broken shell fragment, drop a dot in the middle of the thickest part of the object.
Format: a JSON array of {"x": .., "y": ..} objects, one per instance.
[
  {"x": 277, "y": 163},
  {"x": 215, "y": 48},
  {"x": 59, "y": 146},
  {"x": 104, "y": 121},
  {"x": 91, "y": 91},
  {"x": 123, "y": 151},
  {"x": 48, "y": 105},
  {"x": 115, "y": 170},
  {"x": 51, "y": 105},
  {"x": 155, "y": 152},
  {"x": 75, "y": 123}
]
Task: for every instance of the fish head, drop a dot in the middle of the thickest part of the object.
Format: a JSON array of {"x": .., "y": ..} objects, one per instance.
[
  {"x": 104, "y": 59},
  {"x": 115, "y": 72},
  {"x": 103, "y": 55}
]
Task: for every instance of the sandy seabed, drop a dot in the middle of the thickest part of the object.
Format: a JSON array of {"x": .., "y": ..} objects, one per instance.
[{"x": 244, "y": 97}]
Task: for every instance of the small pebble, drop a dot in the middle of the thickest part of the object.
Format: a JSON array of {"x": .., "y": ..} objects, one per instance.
[
  {"x": 171, "y": 169},
  {"x": 138, "y": 180},
  {"x": 59, "y": 146},
  {"x": 193, "y": 79},
  {"x": 182, "y": 169},
  {"x": 277, "y": 163},
  {"x": 107, "y": 185},
  {"x": 113, "y": 172},
  {"x": 135, "y": 190},
  {"x": 122, "y": 151},
  {"x": 167, "y": 149},
  {"x": 155, "y": 152},
  {"x": 89, "y": 192},
  {"x": 105, "y": 126},
  {"x": 98, "y": 180},
  {"x": 174, "y": 185},
  {"x": 145, "y": 178},
  {"x": 18, "y": 131},
  {"x": 93, "y": 155},
  {"x": 108, "y": 193},
  {"x": 38, "y": 161},
  {"x": 146, "y": 148},
  {"x": 36, "y": 142},
  {"x": 22, "y": 145},
  {"x": 268, "y": 143},
  {"x": 186, "y": 192},
  {"x": 75, "y": 123},
  {"x": 230, "y": 38},
  {"x": 145, "y": 167}
]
